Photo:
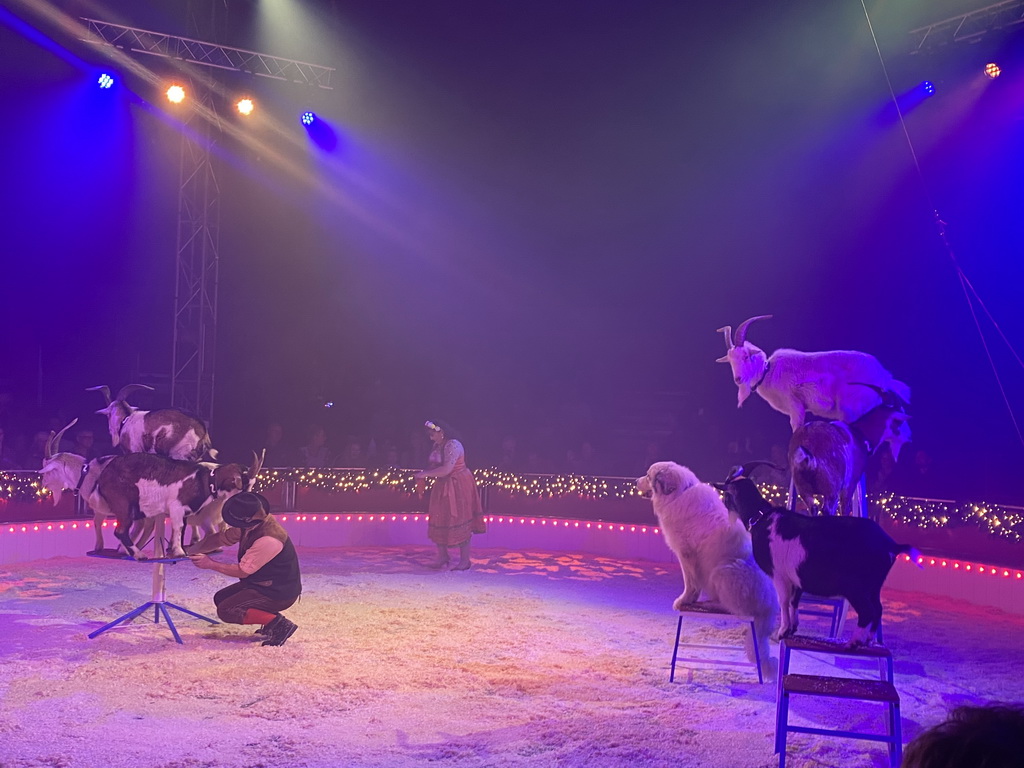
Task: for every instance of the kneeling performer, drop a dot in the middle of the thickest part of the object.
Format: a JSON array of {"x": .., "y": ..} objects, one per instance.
[{"x": 268, "y": 568}]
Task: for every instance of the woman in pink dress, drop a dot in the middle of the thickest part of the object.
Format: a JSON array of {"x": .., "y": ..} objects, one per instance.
[{"x": 454, "y": 506}]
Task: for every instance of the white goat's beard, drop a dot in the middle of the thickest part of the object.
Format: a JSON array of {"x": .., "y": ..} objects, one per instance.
[
  {"x": 57, "y": 495},
  {"x": 743, "y": 395}
]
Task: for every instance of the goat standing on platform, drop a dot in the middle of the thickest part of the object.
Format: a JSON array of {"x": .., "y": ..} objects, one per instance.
[
  {"x": 829, "y": 556},
  {"x": 797, "y": 383},
  {"x": 141, "y": 483},
  {"x": 828, "y": 458},
  {"x": 167, "y": 432}
]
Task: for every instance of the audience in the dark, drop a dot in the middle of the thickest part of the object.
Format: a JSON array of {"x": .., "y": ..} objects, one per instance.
[{"x": 987, "y": 736}]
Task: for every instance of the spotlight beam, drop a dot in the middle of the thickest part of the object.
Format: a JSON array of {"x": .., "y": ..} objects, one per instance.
[{"x": 208, "y": 54}]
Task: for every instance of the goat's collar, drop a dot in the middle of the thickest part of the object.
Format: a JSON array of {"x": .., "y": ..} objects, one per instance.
[
  {"x": 81, "y": 476},
  {"x": 757, "y": 518},
  {"x": 123, "y": 422},
  {"x": 767, "y": 365}
]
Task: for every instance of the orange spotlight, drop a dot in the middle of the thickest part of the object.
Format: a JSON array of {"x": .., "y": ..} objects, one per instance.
[
  {"x": 175, "y": 94},
  {"x": 245, "y": 106},
  {"x": 992, "y": 70}
]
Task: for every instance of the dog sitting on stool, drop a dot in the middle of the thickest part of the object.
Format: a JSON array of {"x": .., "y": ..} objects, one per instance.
[{"x": 714, "y": 552}]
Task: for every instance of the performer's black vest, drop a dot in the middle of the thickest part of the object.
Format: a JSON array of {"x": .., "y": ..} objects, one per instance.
[{"x": 278, "y": 578}]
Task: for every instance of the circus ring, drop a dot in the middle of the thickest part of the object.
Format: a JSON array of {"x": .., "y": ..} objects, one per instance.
[{"x": 553, "y": 650}]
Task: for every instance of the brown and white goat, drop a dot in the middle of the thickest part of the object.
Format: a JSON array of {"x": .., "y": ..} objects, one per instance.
[
  {"x": 797, "y": 383},
  {"x": 167, "y": 432},
  {"x": 846, "y": 557},
  {"x": 828, "y": 458},
  {"x": 69, "y": 471},
  {"x": 150, "y": 485}
]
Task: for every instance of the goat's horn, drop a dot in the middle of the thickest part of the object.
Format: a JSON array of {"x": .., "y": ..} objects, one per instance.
[
  {"x": 257, "y": 463},
  {"x": 741, "y": 332},
  {"x": 727, "y": 330},
  {"x": 875, "y": 387},
  {"x": 750, "y": 466},
  {"x": 889, "y": 398},
  {"x": 104, "y": 389},
  {"x": 55, "y": 438},
  {"x": 129, "y": 388}
]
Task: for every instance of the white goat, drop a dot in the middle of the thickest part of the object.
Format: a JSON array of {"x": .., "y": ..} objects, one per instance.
[
  {"x": 167, "y": 432},
  {"x": 69, "y": 471},
  {"x": 797, "y": 383},
  {"x": 828, "y": 458},
  {"x": 142, "y": 483}
]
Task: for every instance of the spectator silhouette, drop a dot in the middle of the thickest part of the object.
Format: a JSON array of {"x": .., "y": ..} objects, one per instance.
[
  {"x": 987, "y": 736},
  {"x": 7, "y": 457},
  {"x": 277, "y": 453},
  {"x": 315, "y": 453}
]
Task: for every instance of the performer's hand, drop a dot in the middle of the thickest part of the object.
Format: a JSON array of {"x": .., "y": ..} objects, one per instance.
[{"x": 201, "y": 561}]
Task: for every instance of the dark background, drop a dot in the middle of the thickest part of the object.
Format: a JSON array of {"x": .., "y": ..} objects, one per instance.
[{"x": 535, "y": 216}]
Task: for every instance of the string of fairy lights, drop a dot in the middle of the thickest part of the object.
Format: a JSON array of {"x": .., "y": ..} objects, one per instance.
[{"x": 1005, "y": 523}]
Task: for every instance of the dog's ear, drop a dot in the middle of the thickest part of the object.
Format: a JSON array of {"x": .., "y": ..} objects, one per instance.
[{"x": 666, "y": 482}]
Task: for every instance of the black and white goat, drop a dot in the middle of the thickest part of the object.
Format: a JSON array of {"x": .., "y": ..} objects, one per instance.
[
  {"x": 167, "y": 432},
  {"x": 829, "y": 556},
  {"x": 69, "y": 471},
  {"x": 797, "y": 383},
  {"x": 828, "y": 458},
  {"x": 149, "y": 485}
]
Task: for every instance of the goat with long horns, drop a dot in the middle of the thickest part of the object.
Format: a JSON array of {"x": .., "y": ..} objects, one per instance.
[
  {"x": 827, "y": 384},
  {"x": 166, "y": 432}
]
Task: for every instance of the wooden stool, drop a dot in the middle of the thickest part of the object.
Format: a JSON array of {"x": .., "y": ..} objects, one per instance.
[
  {"x": 713, "y": 611},
  {"x": 881, "y": 690}
]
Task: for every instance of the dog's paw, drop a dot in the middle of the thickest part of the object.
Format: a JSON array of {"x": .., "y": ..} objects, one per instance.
[{"x": 683, "y": 599}]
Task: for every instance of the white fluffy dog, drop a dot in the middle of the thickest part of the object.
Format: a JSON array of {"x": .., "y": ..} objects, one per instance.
[{"x": 713, "y": 548}]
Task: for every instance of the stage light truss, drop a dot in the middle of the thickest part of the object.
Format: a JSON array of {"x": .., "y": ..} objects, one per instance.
[
  {"x": 968, "y": 26},
  {"x": 209, "y": 54},
  {"x": 195, "y": 298},
  {"x": 198, "y": 265}
]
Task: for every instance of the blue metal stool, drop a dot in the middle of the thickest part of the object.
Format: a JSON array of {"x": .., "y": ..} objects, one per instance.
[
  {"x": 832, "y": 608},
  {"x": 881, "y": 690},
  {"x": 159, "y": 603},
  {"x": 712, "y": 611}
]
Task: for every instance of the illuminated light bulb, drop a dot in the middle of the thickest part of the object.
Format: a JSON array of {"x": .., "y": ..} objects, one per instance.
[
  {"x": 992, "y": 70},
  {"x": 175, "y": 94}
]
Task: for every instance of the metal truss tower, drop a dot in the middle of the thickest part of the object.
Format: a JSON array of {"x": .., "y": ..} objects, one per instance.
[
  {"x": 198, "y": 262},
  {"x": 198, "y": 239}
]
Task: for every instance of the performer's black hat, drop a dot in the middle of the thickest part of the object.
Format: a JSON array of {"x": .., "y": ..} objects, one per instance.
[{"x": 243, "y": 510}]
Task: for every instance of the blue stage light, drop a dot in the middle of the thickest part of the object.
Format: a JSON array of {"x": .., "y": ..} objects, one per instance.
[
  {"x": 308, "y": 118},
  {"x": 928, "y": 87},
  {"x": 105, "y": 81}
]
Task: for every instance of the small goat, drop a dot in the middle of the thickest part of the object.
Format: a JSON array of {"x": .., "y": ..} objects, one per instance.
[
  {"x": 167, "y": 432},
  {"x": 69, "y": 471},
  {"x": 846, "y": 557},
  {"x": 797, "y": 383},
  {"x": 142, "y": 483},
  {"x": 828, "y": 458}
]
